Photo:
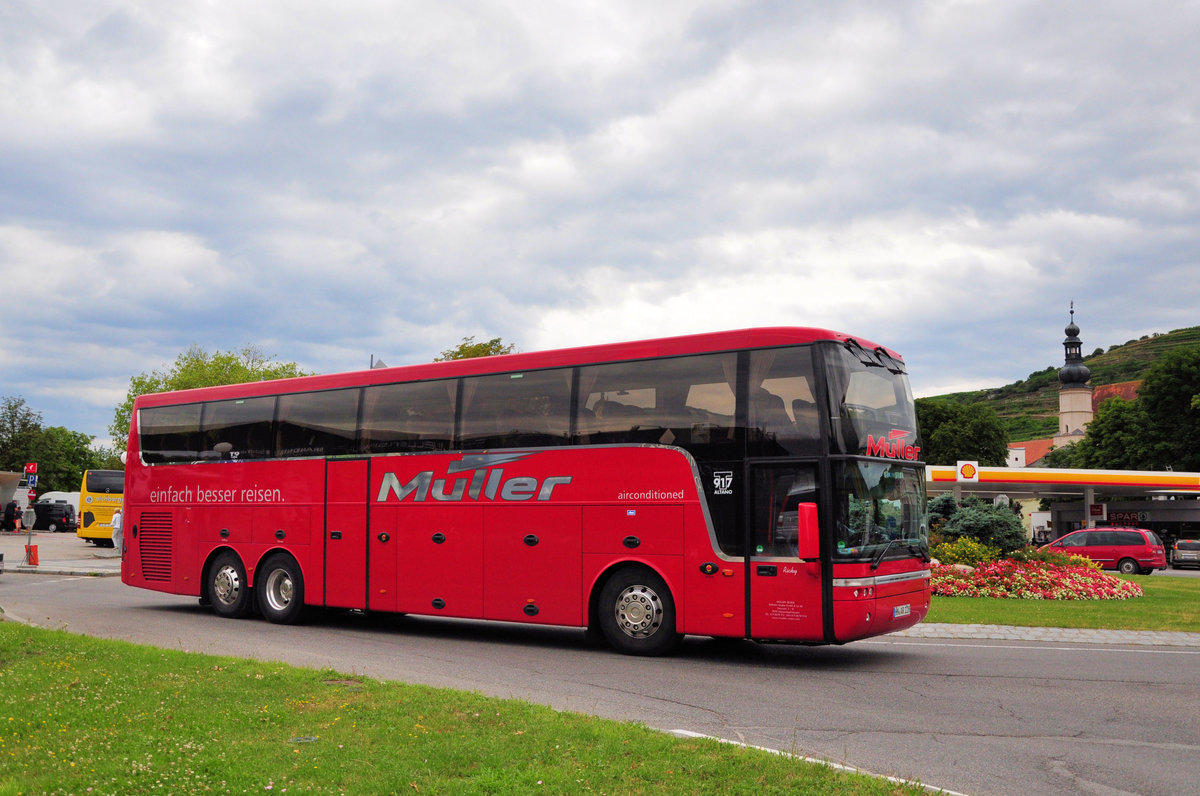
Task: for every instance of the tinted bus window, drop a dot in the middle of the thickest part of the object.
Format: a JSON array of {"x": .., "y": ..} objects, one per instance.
[
  {"x": 318, "y": 423},
  {"x": 685, "y": 401},
  {"x": 409, "y": 418},
  {"x": 782, "y": 408},
  {"x": 109, "y": 482},
  {"x": 514, "y": 410},
  {"x": 170, "y": 433},
  {"x": 239, "y": 429}
]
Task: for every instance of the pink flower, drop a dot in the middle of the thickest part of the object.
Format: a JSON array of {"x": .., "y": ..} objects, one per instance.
[{"x": 1032, "y": 580}]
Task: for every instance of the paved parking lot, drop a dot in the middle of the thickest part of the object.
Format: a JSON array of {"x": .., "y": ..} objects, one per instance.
[{"x": 58, "y": 554}]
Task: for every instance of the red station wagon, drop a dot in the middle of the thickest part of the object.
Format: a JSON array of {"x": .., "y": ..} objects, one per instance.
[{"x": 1130, "y": 551}]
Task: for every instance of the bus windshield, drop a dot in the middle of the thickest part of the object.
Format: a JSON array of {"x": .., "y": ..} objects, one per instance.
[
  {"x": 879, "y": 511},
  {"x": 871, "y": 405}
]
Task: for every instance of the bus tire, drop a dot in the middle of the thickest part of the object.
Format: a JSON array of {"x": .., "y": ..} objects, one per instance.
[
  {"x": 1128, "y": 566},
  {"x": 279, "y": 586},
  {"x": 226, "y": 585},
  {"x": 637, "y": 613}
]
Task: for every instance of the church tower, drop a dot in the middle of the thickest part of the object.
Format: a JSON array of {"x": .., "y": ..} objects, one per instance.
[{"x": 1074, "y": 396}]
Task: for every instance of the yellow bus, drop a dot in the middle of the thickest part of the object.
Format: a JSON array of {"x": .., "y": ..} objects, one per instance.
[{"x": 101, "y": 495}]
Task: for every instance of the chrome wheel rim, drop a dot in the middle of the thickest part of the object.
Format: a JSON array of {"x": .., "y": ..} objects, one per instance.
[
  {"x": 227, "y": 585},
  {"x": 279, "y": 589},
  {"x": 639, "y": 611}
]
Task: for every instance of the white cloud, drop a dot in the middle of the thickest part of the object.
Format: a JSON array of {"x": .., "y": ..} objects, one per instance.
[{"x": 336, "y": 180}]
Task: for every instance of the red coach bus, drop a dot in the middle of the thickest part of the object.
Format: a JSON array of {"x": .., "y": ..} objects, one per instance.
[{"x": 761, "y": 484}]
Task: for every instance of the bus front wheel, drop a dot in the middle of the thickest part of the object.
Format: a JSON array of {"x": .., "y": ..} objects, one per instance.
[
  {"x": 280, "y": 590},
  {"x": 227, "y": 588},
  {"x": 637, "y": 613}
]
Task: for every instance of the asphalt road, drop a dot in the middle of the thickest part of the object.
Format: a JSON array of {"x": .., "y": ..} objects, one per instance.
[{"x": 974, "y": 717}]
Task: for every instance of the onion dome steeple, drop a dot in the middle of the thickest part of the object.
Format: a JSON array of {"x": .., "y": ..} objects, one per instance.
[{"x": 1073, "y": 373}]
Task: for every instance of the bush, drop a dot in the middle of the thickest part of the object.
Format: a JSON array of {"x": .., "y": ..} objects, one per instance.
[
  {"x": 993, "y": 525},
  {"x": 1056, "y": 557},
  {"x": 940, "y": 509},
  {"x": 965, "y": 550}
]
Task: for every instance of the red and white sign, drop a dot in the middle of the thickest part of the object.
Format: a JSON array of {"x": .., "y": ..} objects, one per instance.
[
  {"x": 31, "y": 468},
  {"x": 32, "y": 495}
]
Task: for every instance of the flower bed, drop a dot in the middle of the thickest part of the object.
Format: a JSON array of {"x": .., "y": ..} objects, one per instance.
[{"x": 1031, "y": 580}]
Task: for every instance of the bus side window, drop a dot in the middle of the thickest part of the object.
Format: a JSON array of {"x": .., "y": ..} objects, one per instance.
[
  {"x": 783, "y": 409},
  {"x": 170, "y": 434},
  {"x": 514, "y": 410},
  {"x": 409, "y": 418},
  {"x": 684, "y": 401},
  {"x": 239, "y": 428},
  {"x": 317, "y": 423},
  {"x": 785, "y": 511}
]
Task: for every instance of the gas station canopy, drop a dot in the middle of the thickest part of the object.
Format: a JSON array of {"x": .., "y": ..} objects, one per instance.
[{"x": 1038, "y": 482}]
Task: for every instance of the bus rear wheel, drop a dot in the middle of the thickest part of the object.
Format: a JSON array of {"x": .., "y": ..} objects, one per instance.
[
  {"x": 280, "y": 590},
  {"x": 226, "y": 586},
  {"x": 637, "y": 613}
]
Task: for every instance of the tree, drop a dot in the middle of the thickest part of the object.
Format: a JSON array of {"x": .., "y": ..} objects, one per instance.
[
  {"x": 952, "y": 432},
  {"x": 198, "y": 368},
  {"x": 469, "y": 349},
  {"x": 20, "y": 428},
  {"x": 1120, "y": 437},
  {"x": 1168, "y": 396},
  {"x": 1068, "y": 457},
  {"x": 61, "y": 455}
]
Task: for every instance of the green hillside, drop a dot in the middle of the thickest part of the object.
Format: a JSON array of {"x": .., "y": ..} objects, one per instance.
[{"x": 1029, "y": 408}]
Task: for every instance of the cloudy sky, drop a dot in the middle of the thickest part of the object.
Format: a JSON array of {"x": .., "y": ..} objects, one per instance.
[{"x": 332, "y": 181}]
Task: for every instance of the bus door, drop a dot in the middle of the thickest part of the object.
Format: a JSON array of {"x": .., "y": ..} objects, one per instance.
[
  {"x": 783, "y": 559},
  {"x": 346, "y": 488}
]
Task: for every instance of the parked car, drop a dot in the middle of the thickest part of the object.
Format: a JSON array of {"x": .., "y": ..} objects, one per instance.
[
  {"x": 1185, "y": 553},
  {"x": 1128, "y": 550},
  {"x": 56, "y": 516}
]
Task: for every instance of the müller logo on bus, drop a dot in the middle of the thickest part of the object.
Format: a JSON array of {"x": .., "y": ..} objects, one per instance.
[
  {"x": 893, "y": 447},
  {"x": 483, "y": 478}
]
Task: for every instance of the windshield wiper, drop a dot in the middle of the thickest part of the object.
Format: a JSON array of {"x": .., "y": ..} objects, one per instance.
[
  {"x": 879, "y": 557},
  {"x": 863, "y": 355},
  {"x": 897, "y": 366}
]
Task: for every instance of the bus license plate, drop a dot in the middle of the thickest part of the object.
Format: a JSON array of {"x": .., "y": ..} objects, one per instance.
[{"x": 901, "y": 610}]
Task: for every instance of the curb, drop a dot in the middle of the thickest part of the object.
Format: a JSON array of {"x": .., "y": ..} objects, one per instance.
[
  {"x": 1066, "y": 635},
  {"x": 26, "y": 569}
]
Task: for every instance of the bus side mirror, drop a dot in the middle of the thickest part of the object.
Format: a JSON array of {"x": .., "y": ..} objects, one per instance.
[{"x": 808, "y": 535}]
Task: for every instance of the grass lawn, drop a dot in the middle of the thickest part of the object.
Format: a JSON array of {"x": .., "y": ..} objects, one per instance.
[
  {"x": 1168, "y": 604},
  {"x": 83, "y": 715}
]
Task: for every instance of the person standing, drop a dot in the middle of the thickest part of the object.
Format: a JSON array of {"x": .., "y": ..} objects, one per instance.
[
  {"x": 118, "y": 537},
  {"x": 10, "y": 516}
]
